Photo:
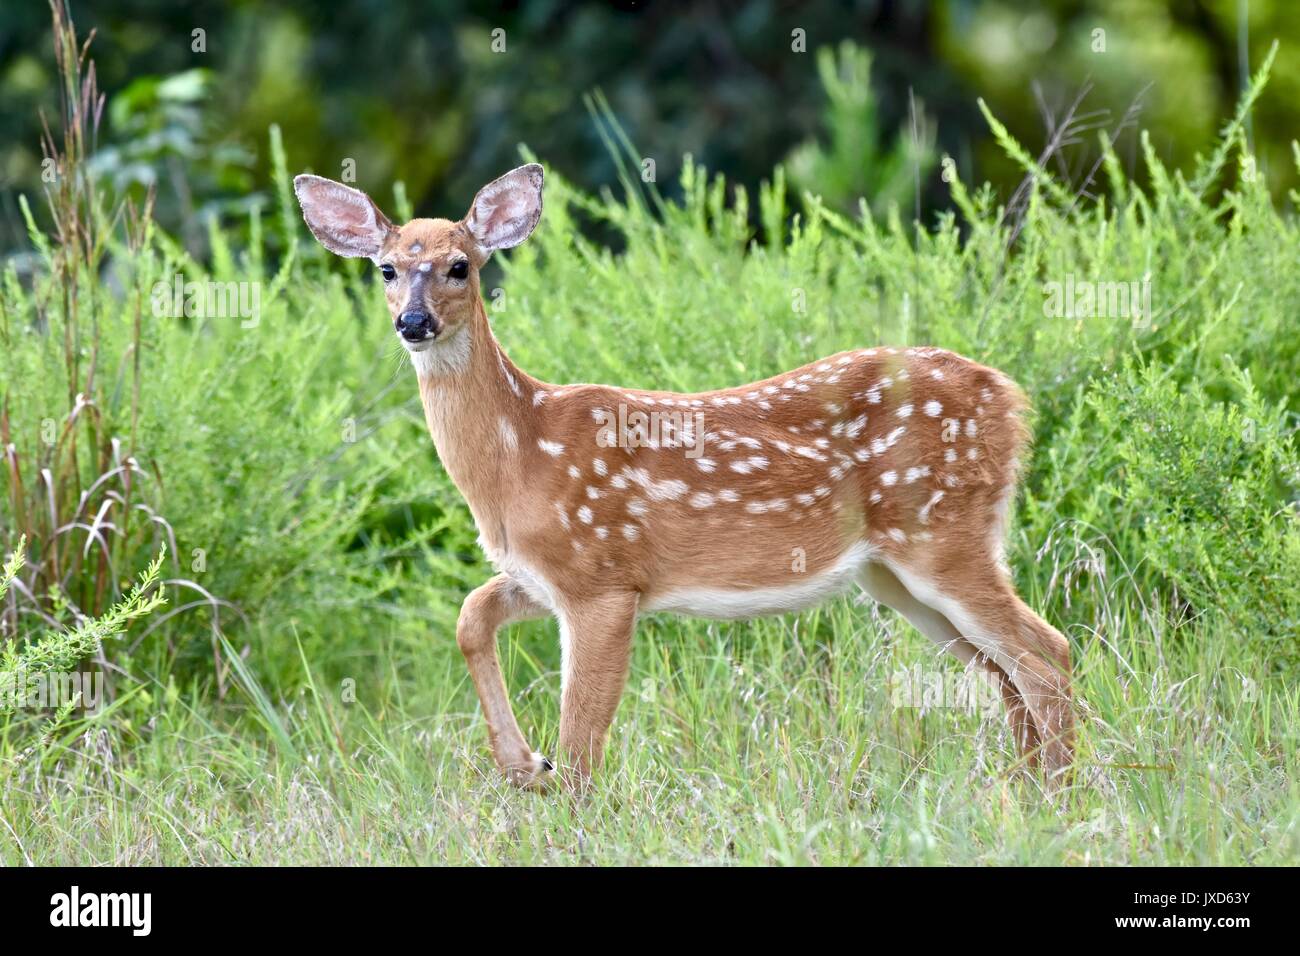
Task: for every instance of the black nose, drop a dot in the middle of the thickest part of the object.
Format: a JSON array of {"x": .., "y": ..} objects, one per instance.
[{"x": 414, "y": 326}]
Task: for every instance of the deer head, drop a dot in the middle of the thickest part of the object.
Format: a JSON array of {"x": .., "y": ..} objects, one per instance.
[{"x": 430, "y": 267}]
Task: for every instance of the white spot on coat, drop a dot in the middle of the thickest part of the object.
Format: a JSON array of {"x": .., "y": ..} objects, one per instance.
[
  {"x": 924, "y": 513},
  {"x": 508, "y": 436}
]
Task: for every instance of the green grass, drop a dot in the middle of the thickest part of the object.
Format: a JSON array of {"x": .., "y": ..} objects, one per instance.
[
  {"x": 765, "y": 743},
  {"x": 312, "y": 707}
]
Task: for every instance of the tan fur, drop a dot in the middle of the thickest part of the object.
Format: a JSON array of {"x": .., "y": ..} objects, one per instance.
[{"x": 889, "y": 468}]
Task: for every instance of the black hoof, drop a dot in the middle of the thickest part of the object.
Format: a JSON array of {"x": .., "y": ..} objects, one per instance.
[{"x": 547, "y": 765}]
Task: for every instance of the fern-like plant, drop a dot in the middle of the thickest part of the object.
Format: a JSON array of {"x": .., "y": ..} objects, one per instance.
[{"x": 30, "y": 656}]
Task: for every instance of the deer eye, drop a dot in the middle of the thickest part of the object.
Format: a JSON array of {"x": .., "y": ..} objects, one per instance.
[
  {"x": 459, "y": 269},
  {"x": 388, "y": 272}
]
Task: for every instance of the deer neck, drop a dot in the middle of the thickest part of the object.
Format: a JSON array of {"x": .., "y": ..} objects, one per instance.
[{"x": 478, "y": 407}]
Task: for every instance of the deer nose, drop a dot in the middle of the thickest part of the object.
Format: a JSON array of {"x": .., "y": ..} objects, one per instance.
[{"x": 414, "y": 325}]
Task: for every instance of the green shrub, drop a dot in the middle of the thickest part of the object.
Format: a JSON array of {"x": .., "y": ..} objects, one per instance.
[{"x": 1200, "y": 489}]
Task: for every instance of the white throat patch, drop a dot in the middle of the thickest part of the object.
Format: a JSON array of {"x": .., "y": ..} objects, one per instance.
[{"x": 443, "y": 356}]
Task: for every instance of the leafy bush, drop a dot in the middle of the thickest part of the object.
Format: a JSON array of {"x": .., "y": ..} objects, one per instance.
[{"x": 1200, "y": 490}]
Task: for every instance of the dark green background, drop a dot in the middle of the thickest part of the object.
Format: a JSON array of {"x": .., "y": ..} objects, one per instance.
[{"x": 413, "y": 91}]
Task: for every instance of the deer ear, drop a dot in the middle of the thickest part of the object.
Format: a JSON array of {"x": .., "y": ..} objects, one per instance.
[
  {"x": 345, "y": 220},
  {"x": 506, "y": 210}
]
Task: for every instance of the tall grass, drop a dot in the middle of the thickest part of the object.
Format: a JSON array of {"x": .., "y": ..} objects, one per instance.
[
  {"x": 73, "y": 493},
  {"x": 302, "y": 699}
]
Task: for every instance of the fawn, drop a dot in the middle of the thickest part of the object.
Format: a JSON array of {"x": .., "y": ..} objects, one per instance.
[{"x": 889, "y": 469}]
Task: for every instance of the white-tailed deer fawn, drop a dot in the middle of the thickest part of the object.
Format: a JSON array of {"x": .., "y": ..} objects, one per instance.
[{"x": 889, "y": 469}]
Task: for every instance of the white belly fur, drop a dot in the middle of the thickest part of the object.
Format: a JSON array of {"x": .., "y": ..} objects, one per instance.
[
  {"x": 720, "y": 603},
  {"x": 731, "y": 603}
]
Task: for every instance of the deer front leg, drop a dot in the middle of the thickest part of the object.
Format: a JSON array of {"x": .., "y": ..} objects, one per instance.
[
  {"x": 596, "y": 637},
  {"x": 499, "y": 602}
]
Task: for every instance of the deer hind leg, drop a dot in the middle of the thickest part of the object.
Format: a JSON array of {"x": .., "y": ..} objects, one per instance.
[
  {"x": 596, "y": 635},
  {"x": 883, "y": 586},
  {"x": 487, "y": 608},
  {"x": 1033, "y": 654}
]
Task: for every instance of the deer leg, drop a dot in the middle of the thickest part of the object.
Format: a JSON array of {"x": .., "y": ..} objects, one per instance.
[
  {"x": 1033, "y": 654},
  {"x": 883, "y": 586},
  {"x": 596, "y": 637},
  {"x": 1057, "y": 703},
  {"x": 487, "y": 608}
]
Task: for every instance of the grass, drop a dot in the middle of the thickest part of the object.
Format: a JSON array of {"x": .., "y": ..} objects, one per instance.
[
  {"x": 301, "y": 698},
  {"x": 748, "y": 744}
]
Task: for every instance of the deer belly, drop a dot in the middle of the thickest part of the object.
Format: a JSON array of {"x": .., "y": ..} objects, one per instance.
[{"x": 803, "y": 591}]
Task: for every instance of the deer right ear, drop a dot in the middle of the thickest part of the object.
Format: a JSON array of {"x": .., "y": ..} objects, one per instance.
[{"x": 345, "y": 220}]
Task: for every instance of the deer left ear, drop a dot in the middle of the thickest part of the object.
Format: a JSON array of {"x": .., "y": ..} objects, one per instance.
[{"x": 506, "y": 210}]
